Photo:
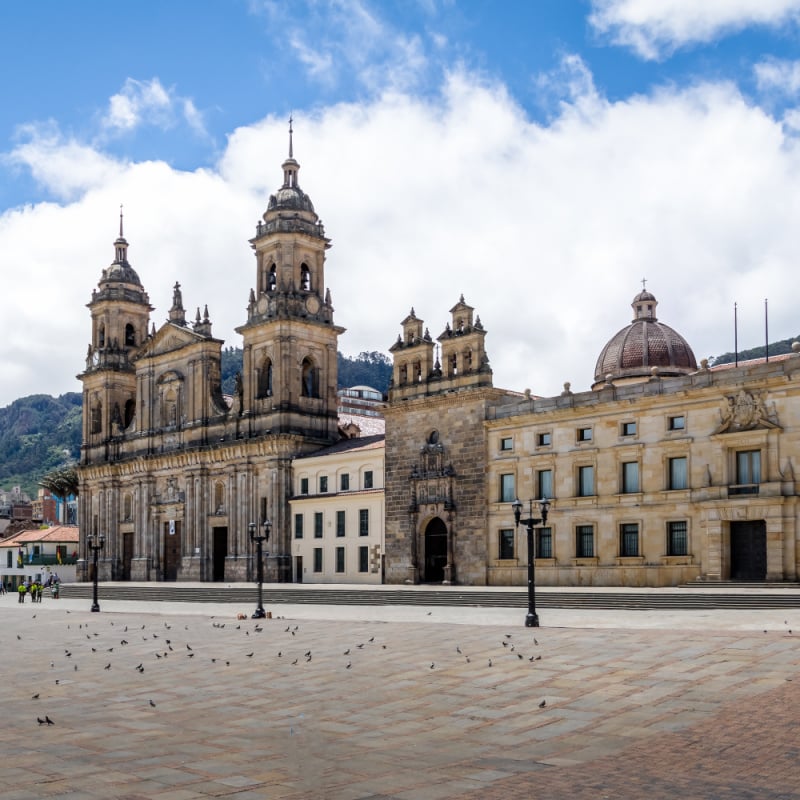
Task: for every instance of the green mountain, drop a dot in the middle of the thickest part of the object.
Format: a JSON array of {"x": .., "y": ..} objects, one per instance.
[
  {"x": 775, "y": 349},
  {"x": 40, "y": 433}
]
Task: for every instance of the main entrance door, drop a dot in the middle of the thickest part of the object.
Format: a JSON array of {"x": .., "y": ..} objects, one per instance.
[
  {"x": 219, "y": 553},
  {"x": 435, "y": 551},
  {"x": 172, "y": 550},
  {"x": 749, "y": 551},
  {"x": 127, "y": 555}
]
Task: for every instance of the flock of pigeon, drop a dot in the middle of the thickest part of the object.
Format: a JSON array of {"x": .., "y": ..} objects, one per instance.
[{"x": 96, "y": 639}]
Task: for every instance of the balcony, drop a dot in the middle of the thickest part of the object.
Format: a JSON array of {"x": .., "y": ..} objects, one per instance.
[{"x": 742, "y": 488}]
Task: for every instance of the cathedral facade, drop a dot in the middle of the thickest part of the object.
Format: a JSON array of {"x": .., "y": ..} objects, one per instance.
[{"x": 171, "y": 471}]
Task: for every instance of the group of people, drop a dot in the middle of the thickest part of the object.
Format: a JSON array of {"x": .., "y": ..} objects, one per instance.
[{"x": 36, "y": 588}]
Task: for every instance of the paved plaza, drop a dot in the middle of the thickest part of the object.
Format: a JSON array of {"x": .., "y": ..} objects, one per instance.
[{"x": 181, "y": 701}]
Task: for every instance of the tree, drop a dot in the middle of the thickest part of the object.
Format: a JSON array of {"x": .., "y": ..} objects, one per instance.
[{"x": 61, "y": 483}]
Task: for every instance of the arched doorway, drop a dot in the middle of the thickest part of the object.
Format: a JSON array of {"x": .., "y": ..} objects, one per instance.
[{"x": 435, "y": 551}]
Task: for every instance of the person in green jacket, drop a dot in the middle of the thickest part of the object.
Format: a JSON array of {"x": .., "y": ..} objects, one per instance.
[{"x": 22, "y": 589}]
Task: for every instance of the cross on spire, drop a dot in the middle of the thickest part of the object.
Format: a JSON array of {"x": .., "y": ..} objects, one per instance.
[{"x": 644, "y": 284}]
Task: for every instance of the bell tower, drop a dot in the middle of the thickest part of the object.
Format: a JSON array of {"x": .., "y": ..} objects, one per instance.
[
  {"x": 289, "y": 376},
  {"x": 120, "y": 310}
]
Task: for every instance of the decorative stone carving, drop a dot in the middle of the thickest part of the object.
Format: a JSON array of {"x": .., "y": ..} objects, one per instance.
[{"x": 746, "y": 411}]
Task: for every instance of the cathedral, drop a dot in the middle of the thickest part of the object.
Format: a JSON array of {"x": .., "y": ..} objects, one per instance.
[{"x": 171, "y": 471}]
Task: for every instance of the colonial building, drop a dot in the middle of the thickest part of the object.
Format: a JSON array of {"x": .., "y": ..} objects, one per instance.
[
  {"x": 665, "y": 472},
  {"x": 171, "y": 471}
]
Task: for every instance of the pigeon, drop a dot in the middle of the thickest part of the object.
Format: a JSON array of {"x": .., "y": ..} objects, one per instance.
[
  {"x": 543, "y": 704},
  {"x": 188, "y": 647},
  {"x": 48, "y": 720},
  {"x": 35, "y": 697},
  {"x": 40, "y": 721},
  {"x": 348, "y": 665},
  {"x": 152, "y": 704},
  {"x": 372, "y": 638},
  {"x": 346, "y": 652},
  {"x": 534, "y": 640},
  {"x": 490, "y": 662},
  {"x": 458, "y": 650},
  {"x": 519, "y": 655},
  {"x": 294, "y": 662},
  {"x": 107, "y": 666},
  {"x": 249, "y": 655},
  {"x": 432, "y": 664},
  {"x": 190, "y": 655}
]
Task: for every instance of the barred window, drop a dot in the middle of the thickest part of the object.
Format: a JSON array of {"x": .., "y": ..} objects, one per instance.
[
  {"x": 677, "y": 538},
  {"x": 363, "y": 522},
  {"x": 584, "y": 544},
  {"x": 317, "y": 524},
  {"x": 545, "y": 543},
  {"x": 340, "y": 559},
  {"x": 363, "y": 559},
  {"x": 629, "y": 539},
  {"x": 317, "y": 559},
  {"x": 340, "y": 520}
]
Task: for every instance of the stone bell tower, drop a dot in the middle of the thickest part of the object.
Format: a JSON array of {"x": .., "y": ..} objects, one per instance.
[
  {"x": 290, "y": 341},
  {"x": 120, "y": 310}
]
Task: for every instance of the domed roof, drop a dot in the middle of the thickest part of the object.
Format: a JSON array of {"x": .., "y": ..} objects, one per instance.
[
  {"x": 290, "y": 198},
  {"x": 632, "y": 352}
]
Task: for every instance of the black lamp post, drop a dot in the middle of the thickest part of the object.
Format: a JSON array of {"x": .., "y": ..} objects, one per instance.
[
  {"x": 259, "y": 539},
  {"x": 531, "y": 618},
  {"x": 95, "y": 543}
]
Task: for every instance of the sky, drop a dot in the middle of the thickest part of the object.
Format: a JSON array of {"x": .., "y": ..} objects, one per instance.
[{"x": 539, "y": 157}]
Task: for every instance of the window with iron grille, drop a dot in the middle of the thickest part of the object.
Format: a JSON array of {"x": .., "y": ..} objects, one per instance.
[
  {"x": 506, "y": 543},
  {"x": 677, "y": 538},
  {"x": 678, "y": 473},
  {"x": 363, "y": 522},
  {"x": 544, "y": 538},
  {"x": 317, "y": 524},
  {"x": 584, "y": 541},
  {"x": 340, "y": 559},
  {"x": 317, "y": 559},
  {"x": 585, "y": 481},
  {"x": 340, "y": 523},
  {"x": 629, "y": 539},
  {"x": 630, "y": 477}
]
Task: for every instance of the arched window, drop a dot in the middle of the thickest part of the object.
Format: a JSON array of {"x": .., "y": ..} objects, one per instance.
[
  {"x": 454, "y": 364},
  {"x": 219, "y": 497},
  {"x": 403, "y": 374},
  {"x": 417, "y": 371},
  {"x": 265, "y": 379},
  {"x": 101, "y": 336},
  {"x": 305, "y": 278},
  {"x": 130, "y": 336},
  {"x": 97, "y": 417},
  {"x": 310, "y": 379},
  {"x": 130, "y": 412},
  {"x": 170, "y": 417},
  {"x": 272, "y": 278}
]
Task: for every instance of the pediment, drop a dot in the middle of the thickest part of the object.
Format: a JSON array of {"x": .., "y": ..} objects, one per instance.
[{"x": 169, "y": 339}]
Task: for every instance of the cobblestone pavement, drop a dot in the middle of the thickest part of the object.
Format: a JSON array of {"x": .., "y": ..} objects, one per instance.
[{"x": 181, "y": 706}]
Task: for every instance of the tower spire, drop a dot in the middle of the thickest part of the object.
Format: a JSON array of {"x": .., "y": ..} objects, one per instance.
[
  {"x": 291, "y": 153},
  {"x": 120, "y": 222}
]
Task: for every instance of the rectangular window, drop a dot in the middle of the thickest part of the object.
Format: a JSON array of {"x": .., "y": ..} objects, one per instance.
[
  {"x": 298, "y": 526},
  {"x": 344, "y": 482},
  {"x": 363, "y": 522},
  {"x": 628, "y": 429},
  {"x": 507, "y": 494},
  {"x": 630, "y": 477},
  {"x": 677, "y": 539},
  {"x": 585, "y": 481},
  {"x": 584, "y": 541},
  {"x": 544, "y": 439},
  {"x": 748, "y": 467},
  {"x": 584, "y": 434},
  {"x": 629, "y": 539},
  {"x": 678, "y": 473},
  {"x": 340, "y": 523},
  {"x": 340, "y": 559},
  {"x": 507, "y": 443},
  {"x": 303, "y": 485},
  {"x": 506, "y": 543},
  {"x": 677, "y": 423},
  {"x": 317, "y": 524},
  {"x": 544, "y": 538},
  {"x": 317, "y": 559},
  {"x": 368, "y": 479},
  {"x": 323, "y": 484},
  {"x": 544, "y": 483},
  {"x": 363, "y": 559}
]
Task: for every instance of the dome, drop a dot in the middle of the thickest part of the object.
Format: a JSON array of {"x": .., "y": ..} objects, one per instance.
[
  {"x": 290, "y": 198},
  {"x": 633, "y": 352},
  {"x": 122, "y": 273}
]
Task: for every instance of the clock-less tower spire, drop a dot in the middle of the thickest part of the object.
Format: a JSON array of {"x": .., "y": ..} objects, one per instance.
[{"x": 290, "y": 341}]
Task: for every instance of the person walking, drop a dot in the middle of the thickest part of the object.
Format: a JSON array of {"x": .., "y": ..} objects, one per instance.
[{"x": 22, "y": 590}]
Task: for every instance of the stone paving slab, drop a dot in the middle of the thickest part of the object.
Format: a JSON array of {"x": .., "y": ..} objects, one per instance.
[{"x": 363, "y": 709}]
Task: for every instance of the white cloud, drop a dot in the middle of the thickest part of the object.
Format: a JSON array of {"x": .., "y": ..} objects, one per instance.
[
  {"x": 148, "y": 103},
  {"x": 778, "y": 75},
  {"x": 655, "y": 28},
  {"x": 545, "y": 229}
]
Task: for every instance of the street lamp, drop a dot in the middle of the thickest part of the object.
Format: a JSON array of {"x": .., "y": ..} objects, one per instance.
[
  {"x": 259, "y": 539},
  {"x": 95, "y": 543},
  {"x": 531, "y": 618}
]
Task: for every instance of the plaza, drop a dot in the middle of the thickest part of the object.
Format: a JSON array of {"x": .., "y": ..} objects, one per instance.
[{"x": 178, "y": 701}]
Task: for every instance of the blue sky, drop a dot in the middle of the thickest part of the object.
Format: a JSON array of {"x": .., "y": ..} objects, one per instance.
[{"x": 568, "y": 148}]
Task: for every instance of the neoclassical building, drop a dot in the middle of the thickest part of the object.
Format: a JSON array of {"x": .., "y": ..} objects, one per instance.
[
  {"x": 665, "y": 472},
  {"x": 172, "y": 472}
]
